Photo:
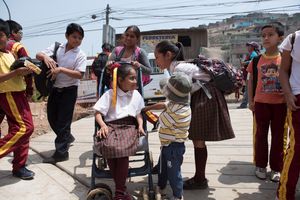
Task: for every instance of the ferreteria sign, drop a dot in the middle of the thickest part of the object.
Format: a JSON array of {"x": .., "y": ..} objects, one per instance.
[{"x": 148, "y": 42}]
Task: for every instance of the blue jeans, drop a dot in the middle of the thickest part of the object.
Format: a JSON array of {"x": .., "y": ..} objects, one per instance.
[{"x": 171, "y": 158}]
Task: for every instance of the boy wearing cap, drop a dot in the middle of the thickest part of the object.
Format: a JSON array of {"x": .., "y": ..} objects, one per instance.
[
  {"x": 253, "y": 49},
  {"x": 175, "y": 121}
]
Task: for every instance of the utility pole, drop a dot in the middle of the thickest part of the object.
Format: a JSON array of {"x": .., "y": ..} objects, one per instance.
[
  {"x": 107, "y": 14},
  {"x": 106, "y": 27}
]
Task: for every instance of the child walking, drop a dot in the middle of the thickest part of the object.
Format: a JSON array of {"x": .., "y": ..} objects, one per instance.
[
  {"x": 175, "y": 122},
  {"x": 268, "y": 104},
  {"x": 67, "y": 72},
  {"x": 118, "y": 113},
  {"x": 15, "y": 106},
  {"x": 289, "y": 79}
]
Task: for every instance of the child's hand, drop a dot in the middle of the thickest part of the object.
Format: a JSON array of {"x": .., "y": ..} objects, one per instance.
[
  {"x": 291, "y": 102},
  {"x": 102, "y": 133},
  {"x": 141, "y": 131},
  {"x": 50, "y": 62},
  {"x": 23, "y": 71},
  {"x": 54, "y": 72},
  {"x": 251, "y": 105}
]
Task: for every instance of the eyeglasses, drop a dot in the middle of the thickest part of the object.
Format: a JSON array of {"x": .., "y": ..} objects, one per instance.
[{"x": 20, "y": 32}]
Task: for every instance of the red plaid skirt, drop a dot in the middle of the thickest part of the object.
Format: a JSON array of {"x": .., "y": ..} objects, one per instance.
[
  {"x": 121, "y": 141},
  {"x": 210, "y": 117}
]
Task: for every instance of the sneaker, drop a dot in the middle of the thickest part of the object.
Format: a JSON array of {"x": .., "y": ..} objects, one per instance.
[
  {"x": 57, "y": 158},
  {"x": 155, "y": 126},
  {"x": 191, "y": 184},
  {"x": 261, "y": 173},
  {"x": 275, "y": 176},
  {"x": 24, "y": 173}
]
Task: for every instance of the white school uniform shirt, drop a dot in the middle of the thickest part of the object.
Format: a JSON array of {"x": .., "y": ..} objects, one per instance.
[
  {"x": 74, "y": 59},
  {"x": 295, "y": 54},
  {"x": 128, "y": 103}
]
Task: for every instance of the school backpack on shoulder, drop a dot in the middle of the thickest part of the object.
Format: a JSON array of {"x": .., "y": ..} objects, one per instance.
[
  {"x": 43, "y": 83},
  {"x": 119, "y": 50},
  {"x": 99, "y": 63},
  {"x": 226, "y": 78},
  {"x": 255, "y": 72}
]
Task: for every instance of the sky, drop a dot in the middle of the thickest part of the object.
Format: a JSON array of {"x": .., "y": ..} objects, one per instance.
[{"x": 45, "y": 22}]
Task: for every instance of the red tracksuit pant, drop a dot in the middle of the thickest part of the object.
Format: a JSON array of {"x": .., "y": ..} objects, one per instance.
[
  {"x": 273, "y": 115},
  {"x": 291, "y": 167},
  {"x": 19, "y": 118}
]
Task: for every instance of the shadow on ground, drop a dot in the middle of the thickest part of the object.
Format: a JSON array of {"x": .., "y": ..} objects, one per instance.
[{"x": 239, "y": 172}]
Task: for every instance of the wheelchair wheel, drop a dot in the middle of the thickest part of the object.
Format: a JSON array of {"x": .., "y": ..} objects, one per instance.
[{"x": 102, "y": 192}]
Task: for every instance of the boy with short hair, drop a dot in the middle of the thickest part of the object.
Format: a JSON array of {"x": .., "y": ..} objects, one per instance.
[
  {"x": 18, "y": 50},
  {"x": 289, "y": 78},
  {"x": 268, "y": 105},
  {"x": 175, "y": 122},
  {"x": 15, "y": 106}
]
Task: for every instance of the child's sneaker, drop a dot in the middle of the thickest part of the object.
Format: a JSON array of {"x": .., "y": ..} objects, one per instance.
[
  {"x": 275, "y": 176},
  {"x": 24, "y": 173},
  {"x": 261, "y": 173}
]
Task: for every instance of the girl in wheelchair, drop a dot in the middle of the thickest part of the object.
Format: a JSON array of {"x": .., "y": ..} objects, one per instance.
[{"x": 118, "y": 113}]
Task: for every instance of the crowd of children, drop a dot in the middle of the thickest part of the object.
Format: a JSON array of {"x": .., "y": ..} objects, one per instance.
[{"x": 273, "y": 88}]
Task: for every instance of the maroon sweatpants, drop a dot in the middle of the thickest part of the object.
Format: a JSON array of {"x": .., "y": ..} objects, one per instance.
[
  {"x": 19, "y": 118},
  {"x": 291, "y": 167},
  {"x": 273, "y": 115}
]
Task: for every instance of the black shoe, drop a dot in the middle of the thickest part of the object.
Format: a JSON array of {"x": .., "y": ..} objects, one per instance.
[
  {"x": 241, "y": 107},
  {"x": 191, "y": 184},
  {"x": 155, "y": 169},
  {"x": 56, "y": 158},
  {"x": 24, "y": 173},
  {"x": 155, "y": 126}
]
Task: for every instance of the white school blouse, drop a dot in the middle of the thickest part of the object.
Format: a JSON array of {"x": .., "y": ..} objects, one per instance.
[
  {"x": 295, "y": 72},
  {"x": 128, "y": 104},
  {"x": 74, "y": 59}
]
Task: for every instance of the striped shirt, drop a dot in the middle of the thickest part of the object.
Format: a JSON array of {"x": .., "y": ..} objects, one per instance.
[{"x": 174, "y": 123}]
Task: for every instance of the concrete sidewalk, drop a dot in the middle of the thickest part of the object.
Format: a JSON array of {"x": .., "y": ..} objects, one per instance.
[{"x": 229, "y": 169}]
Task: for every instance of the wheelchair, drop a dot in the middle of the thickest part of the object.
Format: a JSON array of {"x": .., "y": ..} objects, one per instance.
[{"x": 100, "y": 170}]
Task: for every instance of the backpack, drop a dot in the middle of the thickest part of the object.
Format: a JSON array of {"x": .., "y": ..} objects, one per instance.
[
  {"x": 226, "y": 78},
  {"x": 99, "y": 63},
  {"x": 119, "y": 50},
  {"x": 43, "y": 83},
  {"x": 255, "y": 62}
]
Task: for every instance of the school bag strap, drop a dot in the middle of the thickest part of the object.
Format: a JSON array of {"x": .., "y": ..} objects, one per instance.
[
  {"x": 43, "y": 83},
  {"x": 293, "y": 41},
  {"x": 56, "y": 46},
  {"x": 255, "y": 73}
]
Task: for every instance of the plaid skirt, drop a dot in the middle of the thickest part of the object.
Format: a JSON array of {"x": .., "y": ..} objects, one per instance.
[
  {"x": 121, "y": 141},
  {"x": 210, "y": 117}
]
